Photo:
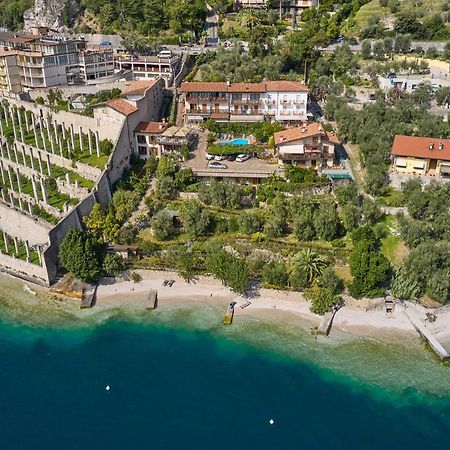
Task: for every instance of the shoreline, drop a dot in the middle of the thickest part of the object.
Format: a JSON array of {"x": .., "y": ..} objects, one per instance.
[{"x": 353, "y": 319}]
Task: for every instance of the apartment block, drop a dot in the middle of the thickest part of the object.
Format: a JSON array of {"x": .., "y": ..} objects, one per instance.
[
  {"x": 150, "y": 67},
  {"x": 9, "y": 72},
  {"x": 283, "y": 101}
]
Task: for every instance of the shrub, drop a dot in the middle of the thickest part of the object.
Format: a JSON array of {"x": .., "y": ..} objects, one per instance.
[
  {"x": 113, "y": 264},
  {"x": 322, "y": 300}
]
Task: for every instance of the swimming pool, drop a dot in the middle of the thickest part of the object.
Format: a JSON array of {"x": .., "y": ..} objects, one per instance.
[{"x": 235, "y": 142}]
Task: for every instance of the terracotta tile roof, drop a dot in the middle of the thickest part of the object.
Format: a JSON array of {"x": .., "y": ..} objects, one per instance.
[
  {"x": 266, "y": 86},
  {"x": 297, "y": 133},
  {"x": 122, "y": 106},
  {"x": 247, "y": 87},
  {"x": 419, "y": 147},
  {"x": 286, "y": 86},
  {"x": 139, "y": 87},
  {"x": 151, "y": 127},
  {"x": 196, "y": 86}
]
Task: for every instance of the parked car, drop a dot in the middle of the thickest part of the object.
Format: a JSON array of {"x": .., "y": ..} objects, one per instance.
[
  {"x": 231, "y": 157},
  {"x": 242, "y": 157},
  {"x": 209, "y": 157},
  {"x": 220, "y": 158},
  {"x": 372, "y": 97},
  {"x": 216, "y": 165}
]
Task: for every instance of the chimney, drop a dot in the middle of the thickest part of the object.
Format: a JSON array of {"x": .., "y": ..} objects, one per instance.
[
  {"x": 431, "y": 146},
  {"x": 441, "y": 146}
]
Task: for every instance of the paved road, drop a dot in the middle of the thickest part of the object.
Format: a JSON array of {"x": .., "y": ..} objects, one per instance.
[
  {"x": 439, "y": 46},
  {"x": 211, "y": 27}
]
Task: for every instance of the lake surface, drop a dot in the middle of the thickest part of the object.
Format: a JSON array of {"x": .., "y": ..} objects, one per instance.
[{"x": 179, "y": 380}]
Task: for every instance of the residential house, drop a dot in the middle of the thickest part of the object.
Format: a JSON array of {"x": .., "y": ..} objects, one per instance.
[
  {"x": 9, "y": 72},
  {"x": 157, "y": 139},
  {"x": 283, "y": 101},
  {"x": 306, "y": 146},
  {"x": 293, "y": 7},
  {"x": 421, "y": 156}
]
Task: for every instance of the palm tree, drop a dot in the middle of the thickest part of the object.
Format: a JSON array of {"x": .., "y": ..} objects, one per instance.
[
  {"x": 250, "y": 20},
  {"x": 310, "y": 262}
]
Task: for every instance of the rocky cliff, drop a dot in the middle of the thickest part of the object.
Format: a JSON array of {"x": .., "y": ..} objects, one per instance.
[{"x": 53, "y": 14}]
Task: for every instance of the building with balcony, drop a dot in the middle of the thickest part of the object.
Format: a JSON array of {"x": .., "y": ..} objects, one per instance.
[
  {"x": 415, "y": 155},
  {"x": 9, "y": 72},
  {"x": 293, "y": 7},
  {"x": 158, "y": 139},
  {"x": 150, "y": 67},
  {"x": 95, "y": 63},
  {"x": 282, "y": 101},
  {"x": 306, "y": 146}
]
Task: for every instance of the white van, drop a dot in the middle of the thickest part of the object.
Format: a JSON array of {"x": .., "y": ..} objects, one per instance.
[{"x": 165, "y": 54}]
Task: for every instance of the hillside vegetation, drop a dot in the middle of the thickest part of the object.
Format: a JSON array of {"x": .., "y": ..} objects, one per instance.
[{"x": 11, "y": 12}]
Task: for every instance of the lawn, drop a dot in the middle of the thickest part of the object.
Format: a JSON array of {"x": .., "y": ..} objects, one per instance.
[
  {"x": 369, "y": 10},
  {"x": 94, "y": 160},
  {"x": 392, "y": 198},
  {"x": 392, "y": 245}
]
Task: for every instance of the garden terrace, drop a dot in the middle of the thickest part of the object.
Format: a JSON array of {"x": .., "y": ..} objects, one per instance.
[
  {"x": 233, "y": 149},
  {"x": 25, "y": 127},
  {"x": 17, "y": 248}
]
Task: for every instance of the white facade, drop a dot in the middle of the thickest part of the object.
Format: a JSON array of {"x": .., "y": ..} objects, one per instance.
[{"x": 286, "y": 106}]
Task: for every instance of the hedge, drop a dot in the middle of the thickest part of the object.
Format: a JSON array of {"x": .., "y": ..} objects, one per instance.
[{"x": 232, "y": 149}]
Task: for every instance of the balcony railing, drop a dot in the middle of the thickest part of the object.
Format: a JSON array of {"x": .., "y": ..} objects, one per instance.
[{"x": 246, "y": 101}]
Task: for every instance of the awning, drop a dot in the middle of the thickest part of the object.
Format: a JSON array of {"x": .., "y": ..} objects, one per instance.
[
  {"x": 419, "y": 165},
  {"x": 400, "y": 162},
  {"x": 444, "y": 169}
]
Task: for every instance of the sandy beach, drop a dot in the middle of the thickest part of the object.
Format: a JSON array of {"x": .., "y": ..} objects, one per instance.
[{"x": 357, "y": 318}]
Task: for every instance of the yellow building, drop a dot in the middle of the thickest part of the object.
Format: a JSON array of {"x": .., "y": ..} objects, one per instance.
[{"x": 421, "y": 156}]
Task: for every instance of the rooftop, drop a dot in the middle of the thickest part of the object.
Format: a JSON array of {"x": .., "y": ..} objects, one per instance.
[
  {"x": 121, "y": 106},
  {"x": 302, "y": 132},
  {"x": 139, "y": 87},
  {"x": 266, "y": 86},
  {"x": 421, "y": 147},
  {"x": 151, "y": 127}
]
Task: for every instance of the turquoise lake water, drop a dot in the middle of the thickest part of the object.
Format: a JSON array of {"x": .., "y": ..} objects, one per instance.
[{"x": 180, "y": 380}]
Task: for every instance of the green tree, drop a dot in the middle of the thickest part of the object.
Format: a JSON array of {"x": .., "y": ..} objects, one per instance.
[
  {"x": 184, "y": 178},
  {"x": 311, "y": 263},
  {"x": 326, "y": 222},
  {"x": 322, "y": 299},
  {"x": 250, "y": 222},
  {"x": 166, "y": 188},
  {"x": 113, "y": 264},
  {"x": 187, "y": 266},
  {"x": 167, "y": 167},
  {"x": 195, "y": 218},
  {"x": 275, "y": 274},
  {"x": 329, "y": 280},
  {"x": 80, "y": 254},
  {"x": 162, "y": 225},
  {"x": 368, "y": 266}
]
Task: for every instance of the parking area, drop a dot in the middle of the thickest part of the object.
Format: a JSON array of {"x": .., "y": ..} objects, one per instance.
[{"x": 252, "y": 168}]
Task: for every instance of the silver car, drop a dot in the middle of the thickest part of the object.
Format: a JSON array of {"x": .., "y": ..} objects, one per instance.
[{"x": 217, "y": 165}]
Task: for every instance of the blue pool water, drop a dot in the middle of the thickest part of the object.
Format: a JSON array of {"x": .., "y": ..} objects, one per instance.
[
  {"x": 235, "y": 142},
  {"x": 180, "y": 380}
]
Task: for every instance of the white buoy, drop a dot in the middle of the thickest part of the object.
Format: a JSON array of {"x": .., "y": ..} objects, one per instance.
[
  {"x": 271, "y": 421},
  {"x": 107, "y": 388}
]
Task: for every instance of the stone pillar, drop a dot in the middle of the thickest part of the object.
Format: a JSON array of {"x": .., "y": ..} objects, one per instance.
[
  {"x": 81, "y": 139},
  {"x": 67, "y": 178},
  {"x": 30, "y": 209},
  {"x": 24, "y": 157},
  {"x": 8, "y": 169},
  {"x": 66, "y": 207},
  {"x": 63, "y": 131},
  {"x": 5, "y": 241},
  {"x": 8, "y": 151},
  {"x": 68, "y": 149},
  {"x": 41, "y": 131},
  {"x": 60, "y": 148},
  {"x": 18, "y": 181},
  {"x": 6, "y": 115},
  {"x": 1, "y": 128},
  {"x": 2, "y": 149},
  {"x": 76, "y": 184},
  {"x": 27, "y": 122},
  {"x": 52, "y": 144},
  {"x": 35, "y": 191},
  {"x": 90, "y": 141},
  {"x": 97, "y": 143},
  {"x": 72, "y": 136},
  {"x": 2, "y": 171},
  {"x": 49, "y": 167},
  {"x": 15, "y": 152},
  {"x": 11, "y": 199},
  {"x": 44, "y": 191},
  {"x": 3, "y": 196},
  {"x": 27, "y": 249},
  {"x": 20, "y": 203},
  {"x": 39, "y": 252},
  {"x": 22, "y": 136},
  {"x": 32, "y": 159},
  {"x": 48, "y": 125},
  {"x": 33, "y": 123},
  {"x": 40, "y": 163},
  {"x": 16, "y": 245},
  {"x": 13, "y": 124}
]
